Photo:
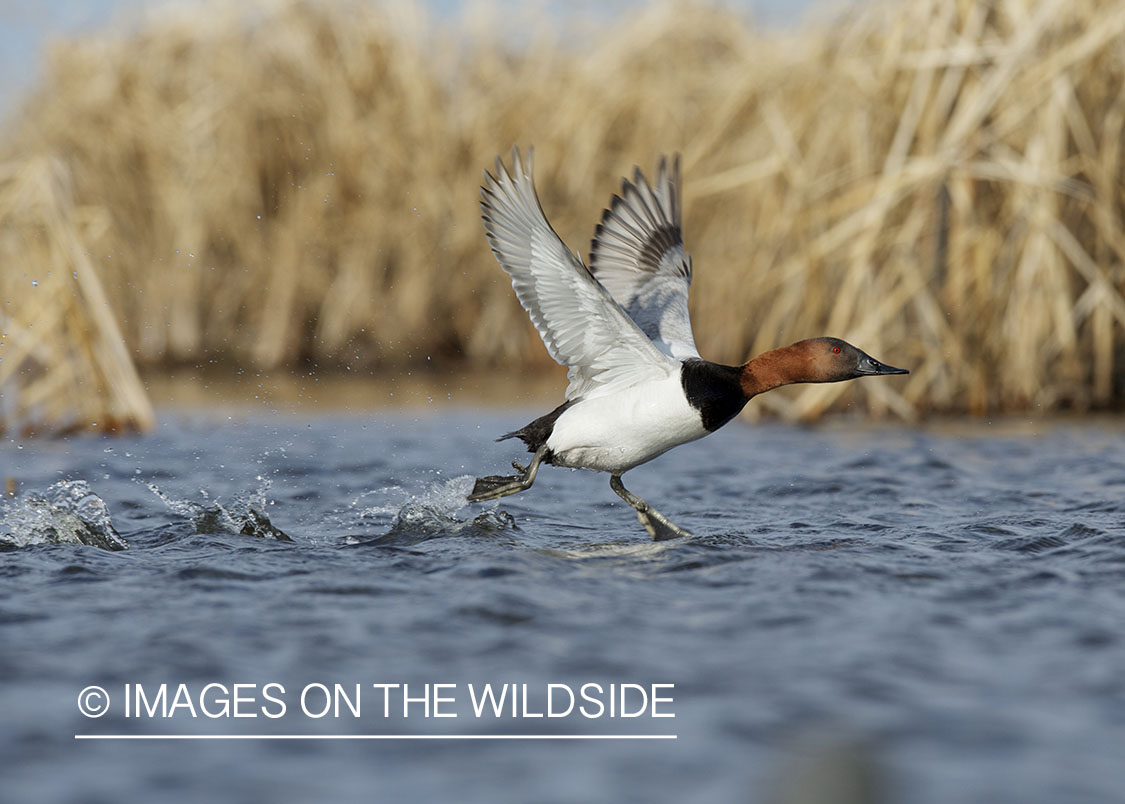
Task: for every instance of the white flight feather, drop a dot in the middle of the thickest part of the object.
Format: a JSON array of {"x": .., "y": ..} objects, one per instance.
[{"x": 581, "y": 324}]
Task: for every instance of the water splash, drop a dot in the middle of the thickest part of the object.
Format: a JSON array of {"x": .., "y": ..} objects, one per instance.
[
  {"x": 68, "y": 512},
  {"x": 431, "y": 514},
  {"x": 244, "y": 516}
]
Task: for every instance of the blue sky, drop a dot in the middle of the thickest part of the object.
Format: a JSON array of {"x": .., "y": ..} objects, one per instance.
[{"x": 26, "y": 27}]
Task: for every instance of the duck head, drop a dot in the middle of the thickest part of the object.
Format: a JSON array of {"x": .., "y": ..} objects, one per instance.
[
  {"x": 812, "y": 360},
  {"x": 834, "y": 360}
]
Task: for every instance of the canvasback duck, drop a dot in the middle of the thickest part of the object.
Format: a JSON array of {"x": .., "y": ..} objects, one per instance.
[{"x": 637, "y": 385}]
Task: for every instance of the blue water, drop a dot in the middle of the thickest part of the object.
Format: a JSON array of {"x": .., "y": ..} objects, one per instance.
[{"x": 936, "y": 614}]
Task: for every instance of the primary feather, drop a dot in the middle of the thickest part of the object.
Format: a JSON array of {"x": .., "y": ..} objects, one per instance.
[{"x": 638, "y": 255}]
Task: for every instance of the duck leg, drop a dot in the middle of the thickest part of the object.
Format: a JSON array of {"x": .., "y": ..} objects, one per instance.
[
  {"x": 657, "y": 525},
  {"x": 495, "y": 486}
]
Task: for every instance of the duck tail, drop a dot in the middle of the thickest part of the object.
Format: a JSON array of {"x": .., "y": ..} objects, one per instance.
[{"x": 536, "y": 433}]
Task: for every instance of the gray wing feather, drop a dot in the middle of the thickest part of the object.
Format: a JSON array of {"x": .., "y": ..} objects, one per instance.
[
  {"x": 638, "y": 255},
  {"x": 580, "y": 323}
]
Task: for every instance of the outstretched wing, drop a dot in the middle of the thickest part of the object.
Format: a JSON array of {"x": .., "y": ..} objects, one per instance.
[
  {"x": 638, "y": 255},
  {"x": 580, "y": 323}
]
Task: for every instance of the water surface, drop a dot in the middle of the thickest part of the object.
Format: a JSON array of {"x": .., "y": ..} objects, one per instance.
[{"x": 947, "y": 606}]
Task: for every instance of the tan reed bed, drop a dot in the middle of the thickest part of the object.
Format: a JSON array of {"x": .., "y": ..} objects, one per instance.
[
  {"x": 939, "y": 181},
  {"x": 63, "y": 363}
]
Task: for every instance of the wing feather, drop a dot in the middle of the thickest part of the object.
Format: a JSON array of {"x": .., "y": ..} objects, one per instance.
[
  {"x": 579, "y": 321},
  {"x": 638, "y": 255}
]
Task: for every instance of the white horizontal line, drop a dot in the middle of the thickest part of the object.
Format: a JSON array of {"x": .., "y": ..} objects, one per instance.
[{"x": 375, "y": 736}]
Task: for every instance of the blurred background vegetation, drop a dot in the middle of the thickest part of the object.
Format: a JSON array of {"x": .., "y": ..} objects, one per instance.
[{"x": 293, "y": 185}]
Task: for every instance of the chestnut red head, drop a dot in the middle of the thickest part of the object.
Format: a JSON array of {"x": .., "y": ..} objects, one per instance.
[{"x": 834, "y": 360}]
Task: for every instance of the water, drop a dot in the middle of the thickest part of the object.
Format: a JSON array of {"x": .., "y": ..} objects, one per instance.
[{"x": 935, "y": 615}]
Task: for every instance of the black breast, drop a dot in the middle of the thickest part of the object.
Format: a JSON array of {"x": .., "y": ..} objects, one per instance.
[{"x": 714, "y": 390}]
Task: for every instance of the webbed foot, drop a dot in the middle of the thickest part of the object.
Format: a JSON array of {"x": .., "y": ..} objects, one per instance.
[
  {"x": 659, "y": 527},
  {"x": 495, "y": 486}
]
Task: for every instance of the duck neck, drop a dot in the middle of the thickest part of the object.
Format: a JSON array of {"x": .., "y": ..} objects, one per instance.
[{"x": 771, "y": 370}]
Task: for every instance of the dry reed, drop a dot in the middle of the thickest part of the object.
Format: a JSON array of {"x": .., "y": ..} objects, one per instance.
[
  {"x": 63, "y": 365},
  {"x": 939, "y": 181}
]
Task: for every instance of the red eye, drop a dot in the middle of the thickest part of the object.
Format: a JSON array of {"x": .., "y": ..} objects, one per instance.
[{"x": 835, "y": 350}]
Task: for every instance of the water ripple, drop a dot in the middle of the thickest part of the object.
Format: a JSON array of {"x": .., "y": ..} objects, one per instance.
[{"x": 957, "y": 599}]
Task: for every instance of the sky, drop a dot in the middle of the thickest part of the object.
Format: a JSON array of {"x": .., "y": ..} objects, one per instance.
[{"x": 25, "y": 28}]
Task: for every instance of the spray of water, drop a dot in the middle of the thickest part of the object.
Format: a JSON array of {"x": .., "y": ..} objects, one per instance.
[
  {"x": 243, "y": 516},
  {"x": 68, "y": 512},
  {"x": 427, "y": 515}
]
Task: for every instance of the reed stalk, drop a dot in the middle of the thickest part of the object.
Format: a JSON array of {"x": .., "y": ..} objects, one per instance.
[{"x": 940, "y": 182}]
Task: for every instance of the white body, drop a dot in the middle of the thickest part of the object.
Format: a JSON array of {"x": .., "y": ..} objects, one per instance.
[{"x": 615, "y": 432}]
